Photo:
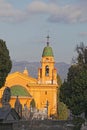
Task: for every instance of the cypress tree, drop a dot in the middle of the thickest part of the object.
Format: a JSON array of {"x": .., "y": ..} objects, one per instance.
[{"x": 5, "y": 62}]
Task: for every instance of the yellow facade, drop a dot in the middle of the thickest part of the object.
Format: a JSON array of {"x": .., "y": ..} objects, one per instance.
[{"x": 42, "y": 90}]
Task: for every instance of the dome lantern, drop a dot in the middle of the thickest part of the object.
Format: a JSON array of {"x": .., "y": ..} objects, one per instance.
[{"x": 47, "y": 51}]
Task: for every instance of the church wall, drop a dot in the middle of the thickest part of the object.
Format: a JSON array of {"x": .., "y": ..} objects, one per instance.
[
  {"x": 47, "y": 61},
  {"x": 42, "y": 94},
  {"x": 42, "y": 89},
  {"x": 17, "y": 80}
]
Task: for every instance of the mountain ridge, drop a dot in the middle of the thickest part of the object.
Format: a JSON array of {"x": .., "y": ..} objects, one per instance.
[{"x": 62, "y": 68}]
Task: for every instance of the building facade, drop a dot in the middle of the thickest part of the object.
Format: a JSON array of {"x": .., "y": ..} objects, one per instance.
[{"x": 43, "y": 90}]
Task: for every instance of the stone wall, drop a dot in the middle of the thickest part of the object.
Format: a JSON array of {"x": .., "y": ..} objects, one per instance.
[
  {"x": 37, "y": 125},
  {"x": 84, "y": 126},
  {"x": 6, "y": 126}
]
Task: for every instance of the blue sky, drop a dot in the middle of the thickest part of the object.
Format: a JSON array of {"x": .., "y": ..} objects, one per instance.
[{"x": 24, "y": 25}]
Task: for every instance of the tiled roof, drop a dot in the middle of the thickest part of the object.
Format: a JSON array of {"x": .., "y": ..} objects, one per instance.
[
  {"x": 18, "y": 90},
  {"x": 47, "y": 51}
]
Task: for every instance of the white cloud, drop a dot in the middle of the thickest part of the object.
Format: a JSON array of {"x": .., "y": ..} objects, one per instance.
[
  {"x": 83, "y": 34},
  {"x": 66, "y": 13},
  {"x": 41, "y": 7},
  {"x": 56, "y": 13},
  {"x": 37, "y": 7},
  {"x": 8, "y": 13}
]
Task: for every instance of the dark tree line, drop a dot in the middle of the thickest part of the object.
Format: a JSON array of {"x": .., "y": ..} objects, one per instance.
[
  {"x": 73, "y": 91},
  {"x": 5, "y": 62}
]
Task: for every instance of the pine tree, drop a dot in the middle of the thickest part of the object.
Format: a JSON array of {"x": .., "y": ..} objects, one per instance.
[{"x": 73, "y": 91}]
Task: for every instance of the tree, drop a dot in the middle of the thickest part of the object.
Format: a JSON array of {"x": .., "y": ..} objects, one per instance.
[
  {"x": 73, "y": 91},
  {"x": 32, "y": 103},
  {"x": 62, "y": 110},
  {"x": 82, "y": 54},
  {"x": 5, "y": 62},
  {"x": 59, "y": 81}
]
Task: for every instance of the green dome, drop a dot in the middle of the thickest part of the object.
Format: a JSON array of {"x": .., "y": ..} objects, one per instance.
[
  {"x": 47, "y": 51},
  {"x": 18, "y": 90}
]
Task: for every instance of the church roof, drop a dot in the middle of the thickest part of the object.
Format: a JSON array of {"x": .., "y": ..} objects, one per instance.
[
  {"x": 22, "y": 76},
  {"x": 47, "y": 51},
  {"x": 18, "y": 90}
]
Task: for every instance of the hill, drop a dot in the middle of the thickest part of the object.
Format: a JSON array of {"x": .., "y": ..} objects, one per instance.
[{"x": 62, "y": 68}]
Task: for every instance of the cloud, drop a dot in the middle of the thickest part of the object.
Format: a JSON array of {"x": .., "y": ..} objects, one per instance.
[
  {"x": 83, "y": 34},
  {"x": 56, "y": 13},
  {"x": 67, "y": 13},
  {"x": 8, "y": 13},
  {"x": 39, "y": 7}
]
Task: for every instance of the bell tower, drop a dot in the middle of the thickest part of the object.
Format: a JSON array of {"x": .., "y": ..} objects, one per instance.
[{"x": 47, "y": 74}]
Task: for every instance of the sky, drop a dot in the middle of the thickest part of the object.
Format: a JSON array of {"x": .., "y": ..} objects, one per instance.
[{"x": 25, "y": 24}]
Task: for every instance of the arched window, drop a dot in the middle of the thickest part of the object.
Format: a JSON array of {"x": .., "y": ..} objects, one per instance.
[{"x": 47, "y": 70}]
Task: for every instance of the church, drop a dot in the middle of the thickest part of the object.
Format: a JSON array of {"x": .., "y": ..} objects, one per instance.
[{"x": 42, "y": 90}]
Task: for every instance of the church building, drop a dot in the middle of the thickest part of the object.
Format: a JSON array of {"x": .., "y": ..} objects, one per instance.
[{"x": 42, "y": 90}]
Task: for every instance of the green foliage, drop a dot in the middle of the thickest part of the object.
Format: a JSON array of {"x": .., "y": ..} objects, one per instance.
[
  {"x": 73, "y": 91},
  {"x": 77, "y": 121},
  {"x": 62, "y": 111},
  {"x": 62, "y": 108},
  {"x": 82, "y": 54},
  {"x": 5, "y": 62},
  {"x": 59, "y": 81}
]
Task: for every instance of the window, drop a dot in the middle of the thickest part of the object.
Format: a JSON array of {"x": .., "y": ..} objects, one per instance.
[
  {"x": 47, "y": 70},
  {"x": 45, "y": 92}
]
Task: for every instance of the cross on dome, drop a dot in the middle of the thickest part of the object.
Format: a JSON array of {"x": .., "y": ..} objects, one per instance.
[{"x": 48, "y": 40}]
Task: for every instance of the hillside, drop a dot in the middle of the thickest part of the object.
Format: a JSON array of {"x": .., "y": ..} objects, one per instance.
[{"x": 62, "y": 68}]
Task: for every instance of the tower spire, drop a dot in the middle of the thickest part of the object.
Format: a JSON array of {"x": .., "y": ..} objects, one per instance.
[
  {"x": 26, "y": 71},
  {"x": 47, "y": 40}
]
